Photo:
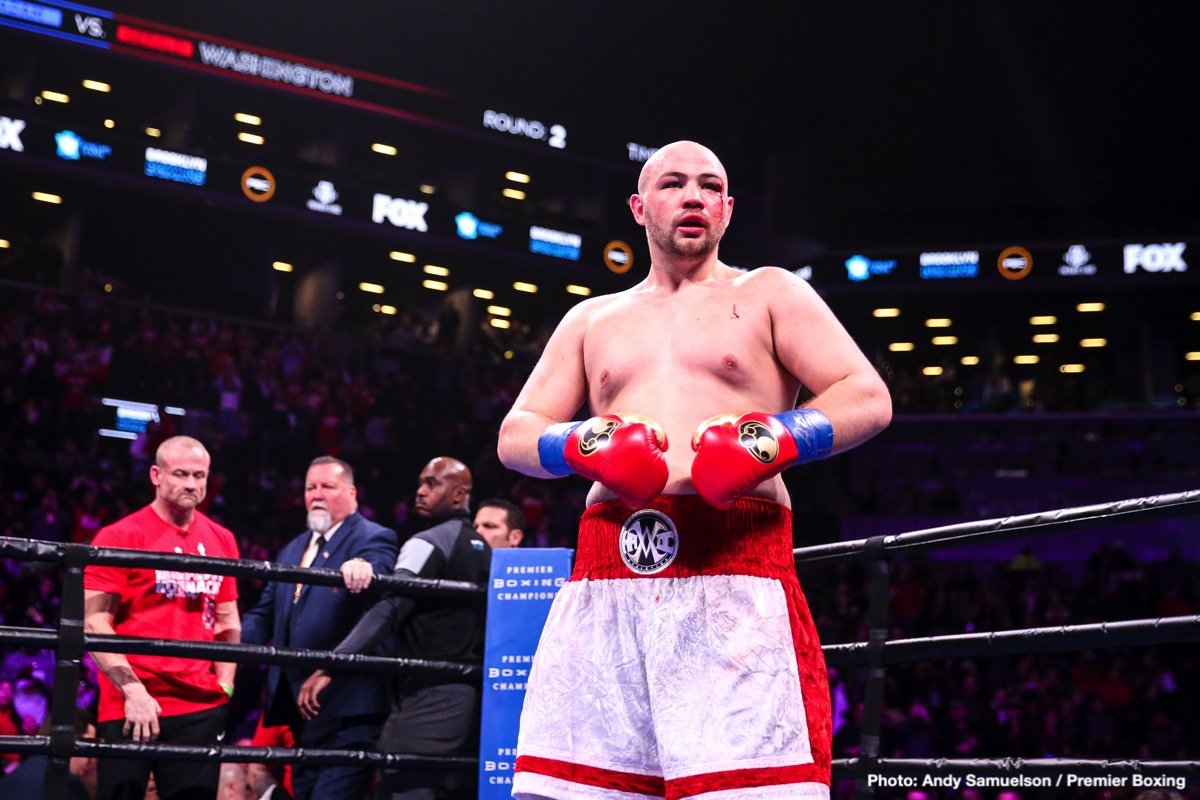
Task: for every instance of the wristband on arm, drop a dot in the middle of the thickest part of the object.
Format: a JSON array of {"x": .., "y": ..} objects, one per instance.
[
  {"x": 812, "y": 431},
  {"x": 552, "y": 448}
]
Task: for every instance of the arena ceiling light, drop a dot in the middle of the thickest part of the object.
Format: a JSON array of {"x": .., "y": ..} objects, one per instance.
[
  {"x": 153, "y": 133},
  {"x": 1069, "y": 369},
  {"x": 281, "y": 266},
  {"x": 1195, "y": 316},
  {"x": 575, "y": 288},
  {"x": 1045, "y": 319},
  {"x": 499, "y": 311},
  {"x": 1045, "y": 338},
  {"x": 483, "y": 294},
  {"x": 383, "y": 149},
  {"x": 944, "y": 340},
  {"x": 901, "y": 347},
  {"x": 437, "y": 286},
  {"x": 55, "y": 97},
  {"x": 5, "y": 244},
  {"x": 503, "y": 324},
  {"x": 512, "y": 194},
  {"x": 96, "y": 86},
  {"x": 247, "y": 119},
  {"x": 1094, "y": 342},
  {"x": 400, "y": 255},
  {"x": 931, "y": 371},
  {"x": 516, "y": 177},
  {"x": 1026, "y": 359},
  {"x": 434, "y": 269},
  {"x": 47, "y": 197},
  {"x": 937, "y": 322},
  {"x": 384, "y": 308},
  {"x": 969, "y": 361},
  {"x": 528, "y": 288},
  {"x": 427, "y": 188},
  {"x": 1089, "y": 308},
  {"x": 110, "y": 123},
  {"x": 370, "y": 288},
  {"x": 885, "y": 313},
  {"x": 250, "y": 138},
  {"x": 1193, "y": 355}
]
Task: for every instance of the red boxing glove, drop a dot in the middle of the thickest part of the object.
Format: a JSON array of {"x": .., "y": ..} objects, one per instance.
[
  {"x": 623, "y": 452},
  {"x": 736, "y": 454}
]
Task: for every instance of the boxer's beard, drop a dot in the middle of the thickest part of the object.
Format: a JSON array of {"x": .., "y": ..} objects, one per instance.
[
  {"x": 319, "y": 520},
  {"x": 668, "y": 239}
]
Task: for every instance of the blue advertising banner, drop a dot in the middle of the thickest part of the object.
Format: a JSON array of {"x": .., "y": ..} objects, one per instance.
[{"x": 522, "y": 585}]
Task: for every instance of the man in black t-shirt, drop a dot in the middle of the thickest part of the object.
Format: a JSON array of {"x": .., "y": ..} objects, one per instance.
[{"x": 436, "y": 714}]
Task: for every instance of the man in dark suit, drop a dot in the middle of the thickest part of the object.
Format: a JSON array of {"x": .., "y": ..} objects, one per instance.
[
  {"x": 317, "y": 617},
  {"x": 431, "y": 715}
]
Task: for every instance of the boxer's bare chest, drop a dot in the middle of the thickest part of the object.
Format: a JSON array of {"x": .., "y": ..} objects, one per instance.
[{"x": 698, "y": 341}]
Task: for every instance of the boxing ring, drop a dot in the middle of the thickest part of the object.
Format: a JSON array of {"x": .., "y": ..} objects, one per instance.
[{"x": 871, "y": 773}]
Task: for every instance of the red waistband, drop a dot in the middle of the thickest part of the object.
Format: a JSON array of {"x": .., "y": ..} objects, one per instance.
[{"x": 753, "y": 537}]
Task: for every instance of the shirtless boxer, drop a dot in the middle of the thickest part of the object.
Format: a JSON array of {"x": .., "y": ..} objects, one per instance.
[{"x": 681, "y": 660}]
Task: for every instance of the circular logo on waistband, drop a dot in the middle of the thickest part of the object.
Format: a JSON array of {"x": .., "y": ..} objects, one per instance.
[
  {"x": 649, "y": 542},
  {"x": 759, "y": 440},
  {"x": 597, "y": 435}
]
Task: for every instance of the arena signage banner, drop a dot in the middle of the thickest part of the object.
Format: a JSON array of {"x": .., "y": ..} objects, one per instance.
[
  {"x": 522, "y": 585},
  {"x": 555, "y": 243},
  {"x": 407, "y": 214},
  {"x": 324, "y": 199},
  {"x": 1078, "y": 260},
  {"x": 952, "y": 264},
  {"x": 860, "y": 268},
  {"x": 10, "y": 134},
  {"x": 72, "y": 22},
  {"x": 177, "y": 167},
  {"x": 1165, "y": 257},
  {"x": 70, "y": 146},
  {"x": 553, "y": 135}
]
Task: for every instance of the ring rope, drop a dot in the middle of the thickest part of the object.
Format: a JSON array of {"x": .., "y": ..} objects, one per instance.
[
  {"x": 238, "y": 753},
  {"x": 58, "y": 552},
  {"x": 1141, "y": 509},
  {"x": 242, "y": 653},
  {"x": 1059, "y": 638},
  {"x": 876, "y": 653}
]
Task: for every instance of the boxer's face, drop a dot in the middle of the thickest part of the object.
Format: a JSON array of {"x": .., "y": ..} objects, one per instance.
[{"x": 683, "y": 200}]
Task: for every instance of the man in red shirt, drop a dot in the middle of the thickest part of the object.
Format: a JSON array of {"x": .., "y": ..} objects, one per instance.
[{"x": 153, "y": 697}]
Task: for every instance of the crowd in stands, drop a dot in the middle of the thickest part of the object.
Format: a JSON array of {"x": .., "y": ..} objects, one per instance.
[{"x": 265, "y": 399}]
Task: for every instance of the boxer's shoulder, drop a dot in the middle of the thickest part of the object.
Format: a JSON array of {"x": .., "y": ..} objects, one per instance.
[{"x": 765, "y": 279}]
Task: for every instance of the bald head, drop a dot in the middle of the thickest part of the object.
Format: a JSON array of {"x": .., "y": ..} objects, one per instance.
[
  {"x": 443, "y": 486},
  {"x": 177, "y": 447},
  {"x": 663, "y": 157},
  {"x": 180, "y": 477}
]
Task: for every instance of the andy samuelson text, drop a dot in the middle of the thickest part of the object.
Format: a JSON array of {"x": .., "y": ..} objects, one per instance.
[{"x": 1064, "y": 780}]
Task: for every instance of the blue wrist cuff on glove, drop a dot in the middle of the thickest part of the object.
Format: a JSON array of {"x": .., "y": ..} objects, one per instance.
[
  {"x": 812, "y": 431},
  {"x": 552, "y": 446}
]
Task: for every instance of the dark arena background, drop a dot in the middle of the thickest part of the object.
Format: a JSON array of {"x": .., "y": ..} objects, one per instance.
[{"x": 294, "y": 229}]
